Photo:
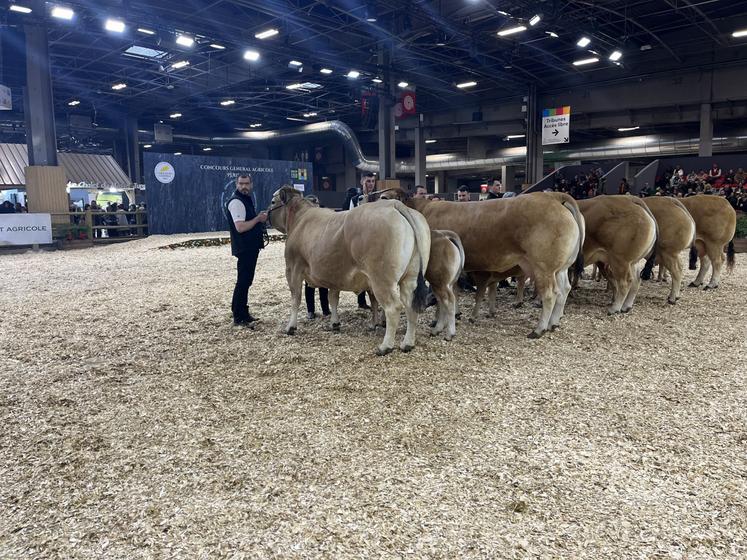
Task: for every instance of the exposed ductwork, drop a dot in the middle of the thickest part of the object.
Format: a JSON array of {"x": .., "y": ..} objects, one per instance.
[{"x": 613, "y": 148}]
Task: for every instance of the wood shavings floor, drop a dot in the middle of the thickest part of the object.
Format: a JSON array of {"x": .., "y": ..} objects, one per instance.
[{"x": 136, "y": 422}]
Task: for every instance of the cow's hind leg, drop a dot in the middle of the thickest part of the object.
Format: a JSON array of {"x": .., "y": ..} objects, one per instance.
[
  {"x": 620, "y": 278},
  {"x": 295, "y": 284},
  {"x": 705, "y": 263},
  {"x": 492, "y": 295},
  {"x": 674, "y": 266},
  {"x": 482, "y": 284},
  {"x": 564, "y": 287},
  {"x": 521, "y": 281},
  {"x": 387, "y": 297},
  {"x": 547, "y": 291},
  {"x": 635, "y": 285},
  {"x": 406, "y": 290},
  {"x": 334, "y": 301},
  {"x": 716, "y": 256}
]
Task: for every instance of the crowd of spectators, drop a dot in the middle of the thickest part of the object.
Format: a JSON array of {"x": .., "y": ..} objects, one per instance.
[
  {"x": 7, "y": 207},
  {"x": 584, "y": 185},
  {"x": 114, "y": 215}
]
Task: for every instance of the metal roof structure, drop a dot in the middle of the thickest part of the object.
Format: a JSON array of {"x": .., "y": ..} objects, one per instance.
[
  {"x": 87, "y": 169},
  {"x": 224, "y": 77}
]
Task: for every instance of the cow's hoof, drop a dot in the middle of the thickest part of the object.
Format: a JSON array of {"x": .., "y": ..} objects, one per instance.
[
  {"x": 534, "y": 334},
  {"x": 383, "y": 351},
  {"x": 671, "y": 301},
  {"x": 517, "y": 304},
  {"x": 709, "y": 287},
  {"x": 336, "y": 327},
  {"x": 406, "y": 347},
  {"x": 433, "y": 324},
  {"x": 290, "y": 331},
  {"x": 553, "y": 328},
  {"x": 448, "y": 337},
  {"x": 458, "y": 316},
  {"x": 613, "y": 311},
  {"x": 693, "y": 285},
  {"x": 626, "y": 309},
  {"x": 472, "y": 320}
]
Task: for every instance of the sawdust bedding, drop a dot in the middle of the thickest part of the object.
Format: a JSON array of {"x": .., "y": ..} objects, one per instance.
[{"x": 136, "y": 422}]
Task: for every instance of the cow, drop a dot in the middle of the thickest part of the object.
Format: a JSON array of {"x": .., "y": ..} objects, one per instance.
[
  {"x": 620, "y": 231},
  {"x": 676, "y": 233},
  {"x": 715, "y": 226},
  {"x": 383, "y": 248},
  {"x": 444, "y": 267},
  {"x": 536, "y": 233}
]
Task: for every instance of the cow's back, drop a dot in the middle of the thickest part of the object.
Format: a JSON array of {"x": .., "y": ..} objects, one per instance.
[
  {"x": 617, "y": 225},
  {"x": 715, "y": 219}
]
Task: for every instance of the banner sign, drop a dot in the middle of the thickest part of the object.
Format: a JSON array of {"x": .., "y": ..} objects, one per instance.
[
  {"x": 25, "y": 229},
  {"x": 556, "y": 125},
  {"x": 187, "y": 194},
  {"x": 6, "y": 101}
]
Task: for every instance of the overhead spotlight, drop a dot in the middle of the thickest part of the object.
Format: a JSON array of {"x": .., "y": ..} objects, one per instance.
[
  {"x": 251, "y": 55},
  {"x": 180, "y": 64},
  {"x": 740, "y": 33},
  {"x": 628, "y": 128},
  {"x": 552, "y": 34},
  {"x": 255, "y": 125},
  {"x": 512, "y": 30},
  {"x": 403, "y": 84},
  {"x": 646, "y": 47},
  {"x": 119, "y": 86},
  {"x": 177, "y": 153},
  {"x": 311, "y": 114},
  {"x": 266, "y": 34},
  {"x": 583, "y": 42},
  {"x": 441, "y": 39},
  {"x": 20, "y": 9},
  {"x": 377, "y": 80},
  {"x": 464, "y": 85},
  {"x": 295, "y": 63},
  {"x": 114, "y": 25},
  {"x": 371, "y": 12},
  {"x": 615, "y": 56},
  {"x": 207, "y": 149},
  {"x": 145, "y": 31},
  {"x": 227, "y": 102},
  {"x": 514, "y": 136},
  {"x": 293, "y": 86},
  {"x": 431, "y": 141},
  {"x": 535, "y": 20},
  {"x": 146, "y": 146},
  {"x": 353, "y": 74},
  {"x": 185, "y": 40},
  {"x": 74, "y": 102},
  {"x": 217, "y": 46},
  {"x": 504, "y": 13},
  {"x": 585, "y": 61},
  {"x": 60, "y": 12},
  {"x": 175, "y": 115},
  {"x": 325, "y": 71}
]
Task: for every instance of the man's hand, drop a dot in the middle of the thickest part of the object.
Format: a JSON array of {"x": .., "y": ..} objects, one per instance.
[{"x": 262, "y": 217}]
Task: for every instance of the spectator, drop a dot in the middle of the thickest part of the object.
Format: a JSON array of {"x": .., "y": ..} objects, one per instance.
[
  {"x": 420, "y": 192},
  {"x": 7, "y": 208},
  {"x": 494, "y": 190},
  {"x": 20, "y": 208},
  {"x": 624, "y": 187},
  {"x": 463, "y": 194},
  {"x": 714, "y": 174}
]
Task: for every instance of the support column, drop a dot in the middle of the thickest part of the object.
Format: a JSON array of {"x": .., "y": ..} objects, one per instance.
[
  {"x": 706, "y": 131},
  {"x": 440, "y": 182},
  {"x": 38, "y": 104},
  {"x": 420, "y": 167},
  {"x": 535, "y": 161},
  {"x": 508, "y": 178},
  {"x": 350, "y": 171},
  {"x": 387, "y": 143},
  {"x": 133, "y": 150}
]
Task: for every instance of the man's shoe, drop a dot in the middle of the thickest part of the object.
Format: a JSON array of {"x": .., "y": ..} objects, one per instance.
[
  {"x": 251, "y": 319},
  {"x": 311, "y": 315},
  {"x": 243, "y": 323}
]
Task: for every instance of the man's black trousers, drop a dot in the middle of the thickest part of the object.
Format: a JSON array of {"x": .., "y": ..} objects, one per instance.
[{"x": 245, "y": 265}]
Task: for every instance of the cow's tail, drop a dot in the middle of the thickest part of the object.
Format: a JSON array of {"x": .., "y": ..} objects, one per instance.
[
  {"x": 651, "y": 256},
  {"x": 420, "y": 294},
  {"x": 693, "y": 257},
  {"x": 578, "y": 265},
  {"x": 730, "y": 254}
]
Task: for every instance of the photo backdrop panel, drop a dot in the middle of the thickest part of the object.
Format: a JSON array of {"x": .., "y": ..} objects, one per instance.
[{"x": 187, "y": 194}]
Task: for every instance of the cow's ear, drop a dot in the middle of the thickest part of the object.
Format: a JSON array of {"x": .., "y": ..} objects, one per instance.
[{"x": 284, "y": 196}]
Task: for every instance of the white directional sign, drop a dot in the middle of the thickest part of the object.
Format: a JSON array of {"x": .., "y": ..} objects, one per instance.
[{"x": 556, "y": 125}]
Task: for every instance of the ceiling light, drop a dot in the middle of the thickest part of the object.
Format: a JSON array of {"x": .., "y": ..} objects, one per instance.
[
  {"x": 175, "y": 115},
  {"x": 255, "y": 125},
  {"x": 584, "y": 61},
  {"x": 616, "y": 55},
  {"x": 628, "y": 128},
  {"x": 227, "y": 102},
  {"x": 266, "y": 34},
  {"x": 377, "y": 81},
  {"x": 147, "y": 145},
  {"x": 514, "y": 136},
  {"x": 295, "y": 63},
  {"x": 552, "y": 34},
  {"x": 294, "y": 119},
  {"x": 403, "y": 84},
  {"x": 466, "y": 85},
  {"x": 251, "y": 55},
  {"x": 180, "y": 64},
  {"x": 74, "y": 102},
  {"x": 115, "y": 25},
  {"x": 312, "y": 114},
  {"x": 217, "y": 46},
  {"x": 370, "y": 12},
  {"x": 325, "y": 71},
  {"x": 353, "y": 74},
  {"x": 21, "y": 9},
  {"x": 207, "y": 149},
  {"x": 185, "y": 40},
  {"x": 504, "y": 13},
  {"x": 431, "y": 141},
  {"x": 120, "y": 85},
  {"x": 512, "y": 30},
  {"x": 535, "y": 20},
  {"x": 583, "y": 42},
  {"x": 646, "y": 47},
  {"x": 62, "y": 13},
  {"x": 740, "y": 33},
  {"x": 146, "y": 31},
  {"x": 293, "y": 86},
  {"x": 177, "y": 153}
]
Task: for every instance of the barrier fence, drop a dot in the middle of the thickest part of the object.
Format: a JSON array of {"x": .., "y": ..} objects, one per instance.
[{"x": 99, "y": 227}]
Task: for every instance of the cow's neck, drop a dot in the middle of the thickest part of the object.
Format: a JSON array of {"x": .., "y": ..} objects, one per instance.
[{"x": 294, "y": 212}]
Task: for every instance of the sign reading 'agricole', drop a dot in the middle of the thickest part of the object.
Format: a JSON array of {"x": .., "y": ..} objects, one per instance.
[{"x": 25, "y": 229}]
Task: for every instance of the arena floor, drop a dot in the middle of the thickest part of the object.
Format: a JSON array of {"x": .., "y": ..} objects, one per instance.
[{"x": 135, "y": 422}]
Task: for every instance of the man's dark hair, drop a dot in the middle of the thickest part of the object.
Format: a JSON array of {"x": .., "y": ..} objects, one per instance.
[
  {"x": 245, "y": 176},
  {"x": 368, "y": 174},
  {"x": 463, "y": 188},
  {"x": 420, "y": 187},
  {"x": 494, "y": 179}
]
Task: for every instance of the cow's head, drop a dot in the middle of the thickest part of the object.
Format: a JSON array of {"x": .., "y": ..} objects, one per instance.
[{"x": 284, "y": 203}]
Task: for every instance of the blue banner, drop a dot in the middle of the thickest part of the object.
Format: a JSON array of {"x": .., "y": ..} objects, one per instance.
[{"x": 187, "y": 194}]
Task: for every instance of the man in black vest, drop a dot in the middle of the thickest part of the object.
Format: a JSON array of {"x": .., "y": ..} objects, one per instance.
[{"x": 246, "y": 243}]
